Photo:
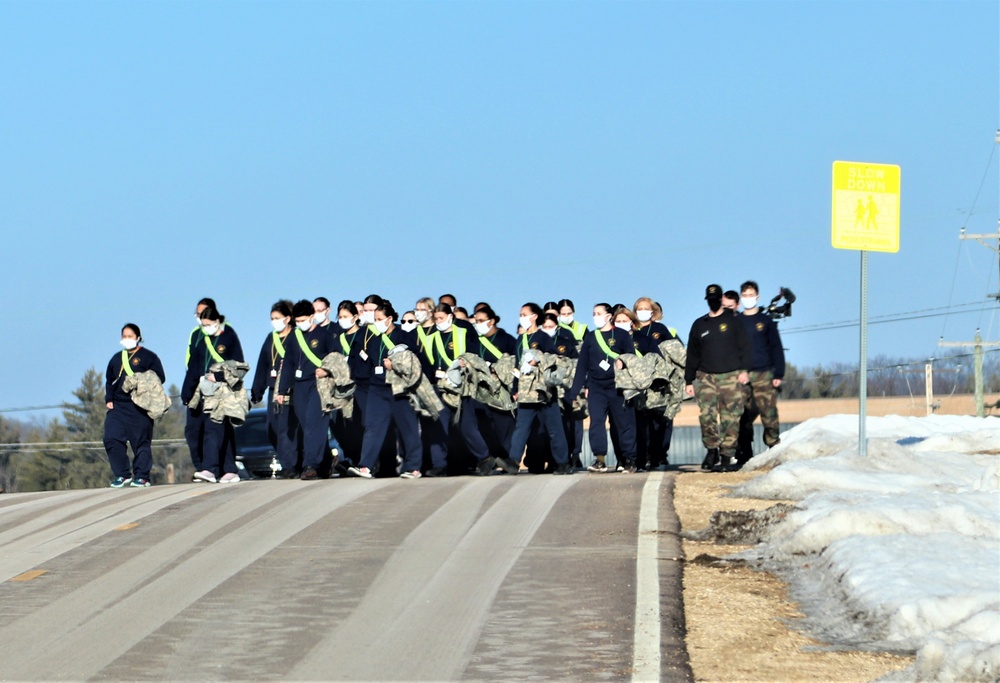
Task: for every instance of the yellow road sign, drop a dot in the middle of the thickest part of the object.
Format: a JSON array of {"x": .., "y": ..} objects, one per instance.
[{"x": 865, "y": 206}]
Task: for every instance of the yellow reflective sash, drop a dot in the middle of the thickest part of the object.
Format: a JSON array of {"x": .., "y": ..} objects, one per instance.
[
  {"x": 125, "y": 364},
  {"x": 344, "y": 345},
  {"x": 425, "y": 342},
  {"x": 211, "y": 349},
  {"x": 187, "y": 354},
  {"x": 488, "y": 345},
  {"x": 313, "y": 358},
  {"x": 577, "y": 328},
  {"x": 602, "y": 342},
  {"x": 457, "y": 340},
  {"x": 388, "y": 342},
  {"x": 278, "y": 346}
]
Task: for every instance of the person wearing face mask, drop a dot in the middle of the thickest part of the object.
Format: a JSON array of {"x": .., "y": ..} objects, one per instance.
[
  {"x": 281, "y": 431},
  {"x": 408, "y": 321},
  {"x": 595, "y": 370},
  {"x": 323, "y": 316},
  {"x": 496, "y": 426},
  {"x": 654, "y": 431},
  {"x": 731, "y": 300},
  {"x": 214, "y": 440},
  {"x": 567, "y": 311},
  {"x": 349, "y": 433},
  {"x": 307, "y": 345},
  {"x": 126, "y": 423},
  {"x": 449, "y": 341},
  {"x": 532, "y": 340},
  {"x": 423, "y": 312},
  {"x": 718, "y": 355},
  {"x": 382, "y": 408},
  {"x": 767, "y": 369}
]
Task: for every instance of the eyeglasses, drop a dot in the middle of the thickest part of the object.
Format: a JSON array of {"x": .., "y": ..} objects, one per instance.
[{"x": 409, "y": 320}]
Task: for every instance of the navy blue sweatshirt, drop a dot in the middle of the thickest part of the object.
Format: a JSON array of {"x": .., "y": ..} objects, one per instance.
[
  {"x": 297, "y": 366},
  {"x": 226, "y": 344},
  {"x": 564, "y": 343},
  {"x": 648, "y": 339},
  {"x": 140, "y": 360},
  {"x": 589, "y": 372},
  {"x": 268, "y": 365},
  {"x": 448, "y": 342},
  {"x": 503, "y": 342},
  {"x": 765, "y": 343},
  {"x": 377, "y": 351}
]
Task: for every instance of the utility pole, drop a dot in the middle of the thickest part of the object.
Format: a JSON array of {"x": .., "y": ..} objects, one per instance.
[
  {"x": 981, "y": 238},
  {"x": 977, "y": 344}
]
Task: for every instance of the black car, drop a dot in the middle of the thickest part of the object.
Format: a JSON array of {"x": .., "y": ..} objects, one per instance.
[{"x": 255, "y": 452}]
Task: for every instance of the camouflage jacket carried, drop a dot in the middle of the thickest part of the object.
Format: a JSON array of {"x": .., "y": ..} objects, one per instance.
[
  {"x": 407, "y": 377},
  {"x": 336, "y": 392},
  {"x": 484, "y": 381},
  {"x": 230, "y": 398},
  {"x": 541, "y": 385},
  {"x": 146, "y": 391},
  {"x": 655, "y": 380}
]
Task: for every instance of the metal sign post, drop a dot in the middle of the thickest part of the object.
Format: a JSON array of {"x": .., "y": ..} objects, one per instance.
[{"x": 865, "y": 218}]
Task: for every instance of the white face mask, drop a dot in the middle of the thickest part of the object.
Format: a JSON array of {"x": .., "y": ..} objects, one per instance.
[
  {"x": 279, "y": 324},
  {"x": 482, "y": 328},
  {"x": 210, "y": 330},
  {"x": 320, "y": 318},
  {"x": 421, "y": 316},
  {"x": 624, "y": 326},
  {"x": 600, "y": 321},
  {"x": 368, "y": 317},
  {"x": 644, "y": 316},
  {"x": 305, "y": 325},
  {"x": 129, "y": 344},
  {"x": 408, "y": 327},
  {"x": 550, "y": 332},
  {"x": 566, "y": 319},
  {"x": 346, "y": 323},
  {"x": 381, "y": 325},
  {"x": 445, "y": 326},
  {"x": 748, "y": 302},
  {"x": 526, "y": 321}
]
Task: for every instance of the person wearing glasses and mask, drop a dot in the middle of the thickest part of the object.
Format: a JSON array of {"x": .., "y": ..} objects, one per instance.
[
  {"x": 126, "y": 423},
  {"x": 595, "y": 371},
  {"x": 215, "y": 441},
  {"x": 382, "y": 408},
  {"x": 349, "y": 432},
  {"x": 307, "y": 346},
  {"x": 281, "y": 431}
]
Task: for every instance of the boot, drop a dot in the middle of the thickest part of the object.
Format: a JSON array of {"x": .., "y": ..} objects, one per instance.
[
  {"x": 711, "y": 458},
  {"x": 722, "y": 464}
]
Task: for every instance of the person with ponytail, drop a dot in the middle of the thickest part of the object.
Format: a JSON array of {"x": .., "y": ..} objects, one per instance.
[{"x": 126, "y": 423}]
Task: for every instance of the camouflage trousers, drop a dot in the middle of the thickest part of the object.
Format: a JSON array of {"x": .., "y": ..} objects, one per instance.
[
  {"x": 720, "y": 405},
  {"x": 761, "y": 399}
]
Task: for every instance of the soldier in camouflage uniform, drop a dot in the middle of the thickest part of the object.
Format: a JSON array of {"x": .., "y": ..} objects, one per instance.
[
  {"x": 767, "y": 368},
  {"x": 718, "y": 355}
]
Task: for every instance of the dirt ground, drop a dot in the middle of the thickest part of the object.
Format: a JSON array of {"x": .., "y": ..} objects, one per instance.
[{"x": 736, "y": 617}]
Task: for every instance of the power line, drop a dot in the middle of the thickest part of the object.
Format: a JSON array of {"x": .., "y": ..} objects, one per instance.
[{"x": 887, "y": 318}]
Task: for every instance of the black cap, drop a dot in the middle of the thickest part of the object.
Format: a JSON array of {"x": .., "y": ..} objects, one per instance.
[{"x": 713, "y": 292}]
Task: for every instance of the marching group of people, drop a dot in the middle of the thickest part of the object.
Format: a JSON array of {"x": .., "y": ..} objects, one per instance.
[{"x": 439, "y": 390}]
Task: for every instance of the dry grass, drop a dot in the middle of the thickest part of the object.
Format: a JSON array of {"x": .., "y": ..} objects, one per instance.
[{"x": 736, "y": 617}]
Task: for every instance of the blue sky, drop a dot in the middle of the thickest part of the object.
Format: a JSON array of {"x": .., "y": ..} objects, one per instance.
[{"x": 158, "y": 152}]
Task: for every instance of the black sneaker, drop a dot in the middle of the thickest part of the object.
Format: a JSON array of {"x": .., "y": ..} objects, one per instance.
[
  {"x": 508, "y": 465},
  {"x": 437, "y": 472},
  {"x": 485, "y": 467},
  {"x": 721, "y": 464},
  {"x": 310, "y": 474},
  {"x": 627, "y": 467},
  {"x": 565, "y": 468}
]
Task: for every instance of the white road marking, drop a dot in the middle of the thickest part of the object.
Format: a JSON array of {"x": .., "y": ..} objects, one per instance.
[{"x": 646, "y": 647}]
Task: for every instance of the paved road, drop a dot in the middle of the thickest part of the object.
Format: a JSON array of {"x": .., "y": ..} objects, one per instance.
[{"x": 497, "y": 578}]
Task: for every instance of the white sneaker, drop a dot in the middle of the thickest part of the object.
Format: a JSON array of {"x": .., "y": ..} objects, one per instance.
[
  {"x": 362, "y": 472},
  {"x": 205, "y": 475},
  {"x": 415, "y": 474},
  {"x": 230, "y": 478}
]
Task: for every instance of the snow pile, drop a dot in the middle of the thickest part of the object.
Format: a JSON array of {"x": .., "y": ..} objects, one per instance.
[{"x": 898, "y": 550}]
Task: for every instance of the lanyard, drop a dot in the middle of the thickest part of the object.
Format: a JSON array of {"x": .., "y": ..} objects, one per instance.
[
  {"x": 313, "y": 358},
  {"x": 602, "y": 342},
  {"x": 385, "y": 345}
]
